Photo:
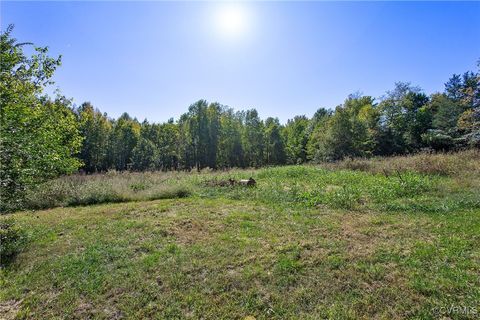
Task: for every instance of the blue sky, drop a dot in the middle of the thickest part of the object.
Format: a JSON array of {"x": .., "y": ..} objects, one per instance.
[{"x": 153, "y": 59}]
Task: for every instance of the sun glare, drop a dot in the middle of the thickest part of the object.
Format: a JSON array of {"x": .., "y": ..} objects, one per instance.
[{"x": 232, "y": 20}]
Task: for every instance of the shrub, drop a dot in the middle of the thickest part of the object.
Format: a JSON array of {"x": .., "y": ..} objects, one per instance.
[{"x": 12, "y": 240}]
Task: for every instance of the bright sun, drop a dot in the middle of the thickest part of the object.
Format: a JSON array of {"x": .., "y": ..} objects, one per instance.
[{"x": 232, "y": 20}]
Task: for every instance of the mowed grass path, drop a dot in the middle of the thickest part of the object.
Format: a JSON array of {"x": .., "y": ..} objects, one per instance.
[{"x": 306, "y": 243}]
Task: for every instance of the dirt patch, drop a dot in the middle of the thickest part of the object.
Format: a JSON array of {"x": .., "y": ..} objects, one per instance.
[
  {"x": 364, "y": 234},
  {"x": 190, "y": 231},
  {"x": 113, "y": 313},
  {"x": 84, "y": 310},
  {"x": 9, "y": 309},
  {"x": 358, "y": 243}
]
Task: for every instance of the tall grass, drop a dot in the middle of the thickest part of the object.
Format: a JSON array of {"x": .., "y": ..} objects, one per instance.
[
  {"x": 103, "y": 188},
  {"x": 422, "y": 182},
  {"x": 448, "y": 164}
]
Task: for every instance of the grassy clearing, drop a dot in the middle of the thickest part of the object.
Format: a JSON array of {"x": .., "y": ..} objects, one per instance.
[
  {"x": 308, "y": 242},
  {"x": 426, "y": 183}
]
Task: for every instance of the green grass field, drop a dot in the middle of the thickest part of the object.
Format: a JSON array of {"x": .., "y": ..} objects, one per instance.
[{"x": 388, "y": 240}]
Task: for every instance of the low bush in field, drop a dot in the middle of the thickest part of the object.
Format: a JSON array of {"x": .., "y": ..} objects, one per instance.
[{"x": 12, "y": 240}]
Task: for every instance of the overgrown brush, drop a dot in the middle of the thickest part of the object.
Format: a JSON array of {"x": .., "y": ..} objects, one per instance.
[
  {"x": 393, "y": 184},
  {"x": 448, "y": 164},
  {"x": 113, "y": 187}
]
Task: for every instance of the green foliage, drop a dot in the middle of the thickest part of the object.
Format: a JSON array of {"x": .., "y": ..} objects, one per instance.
[
  {"x": 253, "y": 139},
  {"x": 124, "y": 138},
  {"x": 405, "y": 121},
  {"x": 296, "y": 138},
  {"x": 446, "y": 112},
  {"x": 274, "y": 146},
  {"x": 349, "y": 132},
  {"x": 405, "y": 118},
  {"x": 13, "y": 240},
  {"x": 96, "y": 129},
  {"x": 211, "y": 135},
  {"x": 438, "y": 139},
  {"x": 464, "y": 91},
  {"x": 38, "y": 136},
  {"x": 230, "y": 147},
  {"x": 469, "y": 127},
  {"x": 145, "y": 155}
]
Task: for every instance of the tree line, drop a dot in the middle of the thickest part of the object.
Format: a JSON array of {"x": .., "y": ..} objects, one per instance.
[
  {"x": 42, "y": 137},
  {"x": 405, "y": 120}
]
